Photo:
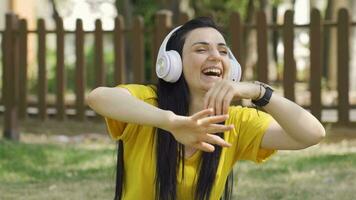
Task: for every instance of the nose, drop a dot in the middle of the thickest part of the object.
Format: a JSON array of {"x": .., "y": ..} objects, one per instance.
[{"x": 214, "y": 55}]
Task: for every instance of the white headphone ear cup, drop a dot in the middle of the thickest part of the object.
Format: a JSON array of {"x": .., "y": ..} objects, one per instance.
[
  {"x": 175, "y": 68},
  {"x": 235, "y": 73},
  {"x": 162, "y": 65}
]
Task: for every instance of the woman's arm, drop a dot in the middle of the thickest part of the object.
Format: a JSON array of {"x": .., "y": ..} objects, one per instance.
[
  {"x": 296, "y": 127},
  {"x": 293, "y": 128},
  {"x": 196, "y": 130},
  {"x": 119, "y": 104}
]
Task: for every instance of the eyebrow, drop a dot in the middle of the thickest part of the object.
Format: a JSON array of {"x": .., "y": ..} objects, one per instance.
[{"x": 206, "y": 43}]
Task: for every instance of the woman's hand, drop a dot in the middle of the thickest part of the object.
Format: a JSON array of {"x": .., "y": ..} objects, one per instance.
[
  {"x": 222, "y": 93},
  {"x": 198, "y": 130}
]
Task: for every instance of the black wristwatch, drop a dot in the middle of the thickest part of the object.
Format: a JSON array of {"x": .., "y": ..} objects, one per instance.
[{"x": 264, "y": 100}]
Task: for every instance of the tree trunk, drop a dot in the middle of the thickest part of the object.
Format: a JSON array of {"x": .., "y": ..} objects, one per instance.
[
  {"x": 55, "y": 13},
  {"x": 326, "y": 52},
  {"x": 125, "y": 8},
  {"x": 250, "y": 45},
  {"x": 332, "y": 59},
  {"x": 353, "y": 50}
]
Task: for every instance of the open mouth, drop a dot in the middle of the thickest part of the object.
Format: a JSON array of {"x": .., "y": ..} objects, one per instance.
[{"x": 213, "y": 71}]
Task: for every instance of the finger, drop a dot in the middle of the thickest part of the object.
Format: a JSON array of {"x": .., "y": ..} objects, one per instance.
[
  {"x": 204, "y": 146},
  {"x": 218, "y": 128},
  {"x": 208, "y": 103},
  {"x": 214, "y": 139},
  {"x": 202, "y": 113},
  {"x": 219, "y": 99},
  {"x": 226, "y": 102},
  {"x": 213, "y": 98},
  {"x": 212, "y": 120},
  {"x": 207, "y": 97}
]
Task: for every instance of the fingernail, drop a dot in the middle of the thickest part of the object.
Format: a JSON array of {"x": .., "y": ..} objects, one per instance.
[{"x": 228, "y": 144}]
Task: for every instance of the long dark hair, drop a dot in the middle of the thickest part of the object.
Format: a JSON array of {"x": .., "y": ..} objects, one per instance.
[
  {"x": 170, "y": 153},
  {"x": 175, "y": 97}
]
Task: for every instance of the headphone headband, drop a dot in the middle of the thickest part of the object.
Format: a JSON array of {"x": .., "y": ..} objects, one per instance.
[
  {"x": 163, "y": 46},
  {"x": 169, "y": 63}
]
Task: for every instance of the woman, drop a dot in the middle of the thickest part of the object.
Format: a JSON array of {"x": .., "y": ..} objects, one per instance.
[{"x": 181, "y": 139}]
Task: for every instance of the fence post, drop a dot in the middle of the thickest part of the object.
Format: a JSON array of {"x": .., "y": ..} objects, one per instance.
[
  {"x": 42, "y": 71},
  {"x": 289, "y": 70},
  {"x": 163, "y": 22},
  {"x": 315, "y": 62},
  {"x": 99, "y": 60},
  {"x": 10, "y": 78},
  {"x": 80, "y": 71},
  {"x": 119, "y": 49},
  {"x": 139, "y": 50},
  {"x": 23, "y": 69},
  {"x": 343, "y": 66},
  {"x": 60, "y": 71},
  {"x": 236, "y": 30},
  {"x": 262, "y": 52}
]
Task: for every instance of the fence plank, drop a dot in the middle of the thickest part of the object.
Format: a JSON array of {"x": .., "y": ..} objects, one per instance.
[
  {"x": 119, "y": 49},
  {"x": 343, "y": 66},
  {"x": 10, "y": 79},
  {"x": 80, "y": 71},
  {"x": 42, "y": 73},
  {"x": 262, "y": 52},
  {"x": 23, "y": 69},
  {"x": 60, "y": 71},
  {"x": 236, "y": 31},
  {"x": 139, "y": 50},
  {"x": 163, "y": 23},
  {"x": 99, "y": 60},
  {"x": 315, "y": 62},
  {"x": 289, "y": 72}
]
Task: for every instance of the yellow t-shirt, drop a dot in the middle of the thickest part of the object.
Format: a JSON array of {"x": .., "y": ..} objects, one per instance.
[{"x": 140, "y": 146}]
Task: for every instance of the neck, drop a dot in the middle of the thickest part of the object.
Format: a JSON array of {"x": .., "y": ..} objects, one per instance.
[{"x": 196, "y": 102}]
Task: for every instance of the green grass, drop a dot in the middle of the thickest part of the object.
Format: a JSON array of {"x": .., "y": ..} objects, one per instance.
[
  {"x": 85, "y": 170},
  {"x": 49, "y": 171},
  {"x": 321, "y": 173}
]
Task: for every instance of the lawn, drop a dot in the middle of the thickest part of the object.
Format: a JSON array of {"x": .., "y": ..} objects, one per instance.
[{"x": 47, "y": 166}]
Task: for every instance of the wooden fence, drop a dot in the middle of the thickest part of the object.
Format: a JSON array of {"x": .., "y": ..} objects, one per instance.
[{"x": 14, "y": 50}]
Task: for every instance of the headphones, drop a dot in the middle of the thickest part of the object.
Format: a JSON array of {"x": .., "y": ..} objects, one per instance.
[{"x": 169, "y": 63}]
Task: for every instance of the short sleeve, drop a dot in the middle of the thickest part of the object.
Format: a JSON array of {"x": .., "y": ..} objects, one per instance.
[
  {"x": 145, "y": 93},
  {"x": 250, "y": 127}
]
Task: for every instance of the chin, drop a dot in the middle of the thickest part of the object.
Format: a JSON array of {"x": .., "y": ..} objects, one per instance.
[{"x": 207, "y": 86}]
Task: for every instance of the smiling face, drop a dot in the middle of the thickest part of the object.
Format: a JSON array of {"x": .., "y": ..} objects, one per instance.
[{"x": 205, "y": 59}]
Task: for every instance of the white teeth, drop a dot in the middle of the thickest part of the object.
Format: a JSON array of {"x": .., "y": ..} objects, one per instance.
[{"x": 212, "y": 70}]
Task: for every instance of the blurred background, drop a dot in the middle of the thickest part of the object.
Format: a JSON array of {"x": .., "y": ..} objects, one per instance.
[{"x": 53, "y": 52}]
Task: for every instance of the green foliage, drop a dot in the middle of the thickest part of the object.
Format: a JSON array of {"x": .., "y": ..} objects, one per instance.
[{"x": 220, "y": 10}]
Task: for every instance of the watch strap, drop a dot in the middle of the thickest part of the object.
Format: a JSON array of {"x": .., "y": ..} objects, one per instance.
[{"x": 264, "y": 100}]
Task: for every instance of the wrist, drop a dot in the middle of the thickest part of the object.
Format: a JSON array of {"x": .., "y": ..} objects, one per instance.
[
  {"x": 264, "y": 96},
  {"x": 259, "y": 92},
  {"x": 168, "y": 118}
]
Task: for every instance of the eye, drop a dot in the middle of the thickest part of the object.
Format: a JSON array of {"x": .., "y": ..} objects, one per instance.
[
  {"x": 200, "y": 50},
  {"x": 223, "y": 52}
]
